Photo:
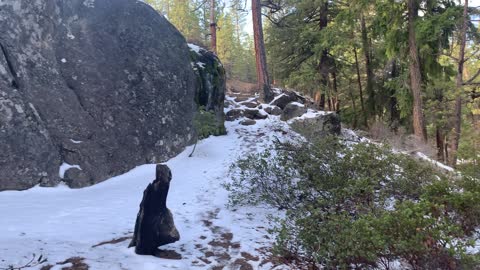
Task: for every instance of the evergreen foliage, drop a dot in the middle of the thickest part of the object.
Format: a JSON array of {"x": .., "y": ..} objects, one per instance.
[{"x": 361, "y": 206}]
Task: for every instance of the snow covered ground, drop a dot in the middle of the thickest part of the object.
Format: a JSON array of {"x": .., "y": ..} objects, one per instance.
[
  {"x": 95, "y": 223},
  {"x": 60, "y": 223}
]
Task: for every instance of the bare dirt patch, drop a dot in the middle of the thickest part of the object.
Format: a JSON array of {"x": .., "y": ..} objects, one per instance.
[{"x": 113, "y": 241}]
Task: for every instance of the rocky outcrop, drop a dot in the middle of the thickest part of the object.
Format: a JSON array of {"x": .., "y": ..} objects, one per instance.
[
  {"x": 292, "y": 110},
  {"x": 95, "y": 87},
  {"x": 248, "y": 122},
  {"x": 319, "y": 126},
  {"x": 154, "y": 226},
  {"x": 210, "y": 94},
  {"x": 273, "y": 110}
]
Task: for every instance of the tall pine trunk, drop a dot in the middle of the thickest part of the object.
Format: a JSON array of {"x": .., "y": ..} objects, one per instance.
[
  {"x": 393, "y": 102},
  {"x": 419, "y": 128},
  {"x": 459, "y": 87},
  {"x": 324, "y": 61},
  {"x": 263, "y": 82},
  {"x": 213, "y": 27},
  {"x": 359, "y": 81},
  {"x": 368, "y": 67},
  {"x": 440, "y": 138}
]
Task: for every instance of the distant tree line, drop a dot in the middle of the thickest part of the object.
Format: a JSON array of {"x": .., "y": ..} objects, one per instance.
[{"x": 409, "y": 64}]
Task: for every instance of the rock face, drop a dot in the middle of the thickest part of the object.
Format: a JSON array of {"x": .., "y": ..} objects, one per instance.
[
  {"x": 211, "y": 80},
  {"x": 292, "y": 110},
  {"x": 319, "y": 126},
  {"x": 273, "y": 110},
  {"x": 154, "y": 226},
  {"x": 248, "y": 122},
  {"x": 99, "y": 86},
  {"x": 284, "y": 99}
]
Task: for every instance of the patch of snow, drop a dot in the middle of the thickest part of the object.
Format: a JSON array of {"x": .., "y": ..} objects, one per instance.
[
  {"x": 89, "y": 3},
  {"x": 62, "y": 266},
  {"x": 298, "y": 104},
  {"x": 65, "y": 167},
  {"x": 70, "y": 36},
  {"x": 195, "y": 48},
  {"x": 277, "y": 97},
  {"x": 108, "y": 210},
  {"x": 73, "y": 141},
  {"x": 63, "y": 60},
  {"x": 308, "y": 115},
  {"x": 3, "y": 70},
  {"x": 436, "y": 163},
  {"x": 200, "y": 64}
]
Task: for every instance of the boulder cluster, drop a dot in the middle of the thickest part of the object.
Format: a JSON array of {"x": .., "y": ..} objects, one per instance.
[{"x": 300, "y": 112}]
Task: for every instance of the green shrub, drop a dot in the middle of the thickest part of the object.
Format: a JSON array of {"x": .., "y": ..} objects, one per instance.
[{"x": 358, "y": 206}]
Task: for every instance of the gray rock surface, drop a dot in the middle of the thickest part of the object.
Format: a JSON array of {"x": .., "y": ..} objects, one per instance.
[
  {"x": 103, "y": 84},
  {"x": 154, "y": 226},
  {"x": 250, "y": 105},
  {"x": 292, "y": 110},
  {"x": 318, "y": 127},
  {"x": 284, "y": 99},
  {"x": 234, "y": 114},
  {"x": 248, "y": 122},
  {"x": 254, "y": 114},
  {"x": 273, "y": 110}
]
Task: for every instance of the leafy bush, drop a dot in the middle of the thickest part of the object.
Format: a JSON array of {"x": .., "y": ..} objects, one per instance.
[
  {"x": 205, "y": 123},
  {"x": 353, "y": 206}
]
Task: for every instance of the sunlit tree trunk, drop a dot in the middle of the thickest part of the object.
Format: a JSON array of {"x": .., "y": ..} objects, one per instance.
[
  {"x": 263, "y": 82},
  {"x": 213, "y": 27},
  {"x": 419, "y": 128}
]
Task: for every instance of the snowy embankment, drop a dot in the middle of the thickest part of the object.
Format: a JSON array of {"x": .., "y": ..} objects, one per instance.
[
  {"x": 60, "y": 223},
  {"x": 96, "y": 223}
]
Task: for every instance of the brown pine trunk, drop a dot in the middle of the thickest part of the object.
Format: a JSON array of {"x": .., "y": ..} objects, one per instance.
[
  {"x": 354, "y": 107},
  {"x": 321, "y": 103},
  {"x": 368, "y": 67},
  {"x": 440, "y": 145},
  {"x": 336, "y": 101},
  {"x": 263, "y": 82},
  {"x": 393, "y": 103},
  {"x": 324, "y": 61},
  {"x": 459, "y": 87},
  {"x": 359, "y": 80},
  {"x": 419, "y": 128},
  {"x": 213, "y": 27}
]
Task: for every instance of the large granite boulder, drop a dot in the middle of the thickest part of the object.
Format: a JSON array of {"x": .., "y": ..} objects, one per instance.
[
  {"x": 96, "y": 87},
  {"x": 154, "y": 226},
  {"x": 292, "y": 110},
  {"x": 319, "y": 126},
  {"x": 273, "y": 110},
  {"x": 284, "y": 99},
  {"x": 212, "y": 84}
]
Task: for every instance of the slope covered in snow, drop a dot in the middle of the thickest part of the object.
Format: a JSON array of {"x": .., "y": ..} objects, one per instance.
[
  {"x": 60, "y": 223},
  {"x": 96, "y": 223}
]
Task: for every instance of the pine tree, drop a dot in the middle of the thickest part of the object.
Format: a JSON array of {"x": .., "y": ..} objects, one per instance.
[{"x": 263, "y": 81}]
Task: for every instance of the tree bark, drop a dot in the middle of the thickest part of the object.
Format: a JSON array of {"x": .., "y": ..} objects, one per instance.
[
  {"x": 459, "y": 87},
  {"x": 440, "y": 138},
  {"x": 368, "y": 67},
  {"x": 213, "y": 27},
  {"x": 359, "y": 80},
  {"x": 393, "y": 102},
  {"x": 354, "y": 107},
  {"x": 263, "y": 82},
  {"x": 336, "y": 102},
  {"x": 324, "y": 60},
  {"x": 419, "y": 128}
]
